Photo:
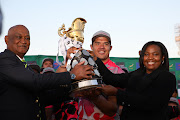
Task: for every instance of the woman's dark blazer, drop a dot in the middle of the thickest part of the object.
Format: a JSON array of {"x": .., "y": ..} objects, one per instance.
[{"x": 146, "y": 96}]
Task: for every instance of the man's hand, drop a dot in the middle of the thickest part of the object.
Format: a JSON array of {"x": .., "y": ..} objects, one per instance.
[
  {"x": 108, "y": 90},
  {"x": 82, "y": 71},
  {"x": 61, "y": 68}
]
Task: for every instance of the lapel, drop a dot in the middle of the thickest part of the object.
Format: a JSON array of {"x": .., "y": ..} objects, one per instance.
[{"x": 11, "y": 54}]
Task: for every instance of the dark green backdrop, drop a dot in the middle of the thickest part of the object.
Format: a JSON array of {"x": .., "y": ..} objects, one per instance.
[{"x": 130, "y": 63}]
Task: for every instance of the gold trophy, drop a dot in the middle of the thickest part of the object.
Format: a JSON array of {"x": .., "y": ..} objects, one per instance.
[
  {"x": 74, "y": 36},
  {"x": 75, "y": 31}
]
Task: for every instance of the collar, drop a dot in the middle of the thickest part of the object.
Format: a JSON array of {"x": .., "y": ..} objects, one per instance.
[
  {"x": 12, "y": 53},
  {"x": 144, "y": 79},
  {"x": 20, "y": 58},
  {"x": 107, "y": 61}
]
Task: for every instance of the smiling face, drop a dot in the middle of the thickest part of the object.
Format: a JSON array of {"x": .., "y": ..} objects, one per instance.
[
  {"x": 18, "y": 40},
  {"x": 152, "y": 58},
  {"x": 101, "y": 48}
]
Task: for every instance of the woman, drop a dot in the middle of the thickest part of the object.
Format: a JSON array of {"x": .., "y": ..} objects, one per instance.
[{"x": 148, "y": 89}]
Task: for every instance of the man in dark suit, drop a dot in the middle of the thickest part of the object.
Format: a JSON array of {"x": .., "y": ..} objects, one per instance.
[{"x": 19, "y": 86}]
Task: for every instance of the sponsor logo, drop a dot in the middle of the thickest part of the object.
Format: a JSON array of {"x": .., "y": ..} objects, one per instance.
[
  {"x": 120, "y": 63},
  {"x": 31, "y": 63},
  {"x": 131, "y": 66},
  {"x": 137, "y": 65},
  {"x": 56, "y": 65},
  {"x": 171, "y": 66},
  {"x": 177, "y": 66}
]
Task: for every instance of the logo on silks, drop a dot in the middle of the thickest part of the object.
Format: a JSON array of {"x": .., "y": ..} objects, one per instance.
[{"x": 177, "y": 66}]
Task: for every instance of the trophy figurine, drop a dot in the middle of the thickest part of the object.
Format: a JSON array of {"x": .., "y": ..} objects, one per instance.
[
  {"x": 74, "y": 37},
  {"x": 75, "y": 31}
]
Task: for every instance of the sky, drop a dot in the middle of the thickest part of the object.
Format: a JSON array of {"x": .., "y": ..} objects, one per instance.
[{"x": 131, "y": 23}]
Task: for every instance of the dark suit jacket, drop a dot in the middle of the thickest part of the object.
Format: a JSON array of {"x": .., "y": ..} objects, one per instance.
[
  {"x": 146, "y": 96},
  {"x": 19, "y": 87}
]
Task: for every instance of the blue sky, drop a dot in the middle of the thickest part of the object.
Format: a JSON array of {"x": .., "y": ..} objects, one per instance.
[{"x": 131, "y": 23}]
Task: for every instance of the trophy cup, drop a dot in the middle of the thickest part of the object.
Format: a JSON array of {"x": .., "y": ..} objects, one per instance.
[{"x": 74, "y": 37}]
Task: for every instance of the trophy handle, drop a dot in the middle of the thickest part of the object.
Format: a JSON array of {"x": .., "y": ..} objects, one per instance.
[{"x": 61, "y": 30}]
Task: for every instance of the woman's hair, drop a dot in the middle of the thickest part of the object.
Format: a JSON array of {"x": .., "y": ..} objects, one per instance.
[{"x": 164, "y": 52}]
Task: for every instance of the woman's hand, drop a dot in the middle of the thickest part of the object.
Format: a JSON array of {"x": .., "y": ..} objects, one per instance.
[
  {"x": 91, "y": 93},
  {"x": 108, "y": 90}
]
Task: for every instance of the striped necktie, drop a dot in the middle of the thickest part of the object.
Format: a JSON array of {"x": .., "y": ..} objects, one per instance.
[{"x": 24, "y": 62}]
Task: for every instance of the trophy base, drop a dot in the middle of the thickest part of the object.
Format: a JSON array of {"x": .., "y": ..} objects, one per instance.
[{"x": 80, "y": 86}]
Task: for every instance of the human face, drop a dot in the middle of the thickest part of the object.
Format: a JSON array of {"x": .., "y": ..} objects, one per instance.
[
  {"x": 18, "y": 40},
  {"x": 47, "y": 64},
  {"x": 152, "y": 58},
  {"x": 101, "y": 48}
]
